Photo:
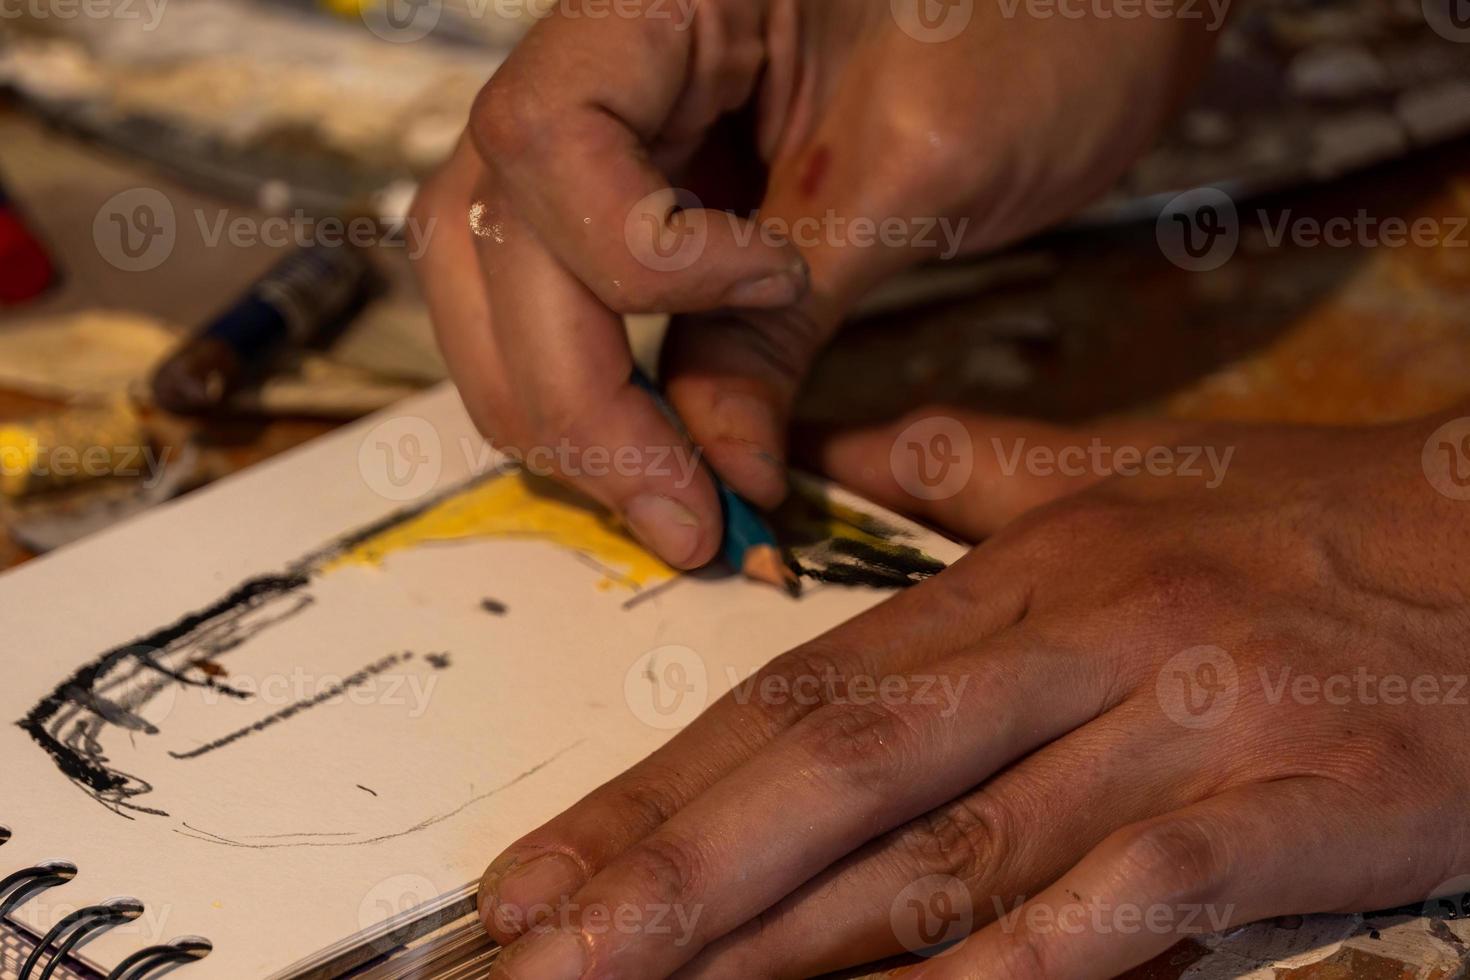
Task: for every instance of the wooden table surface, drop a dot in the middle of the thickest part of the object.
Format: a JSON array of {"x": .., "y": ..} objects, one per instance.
[{"x": 1088, "y": 324}]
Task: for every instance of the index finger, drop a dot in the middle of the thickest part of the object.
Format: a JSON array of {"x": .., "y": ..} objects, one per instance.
[
  {"x": 567, "y": 404},
  {"x": 546, "y": 866},
  {"x": 832, "y": 782},
  {"x": 570, "y": 123}
]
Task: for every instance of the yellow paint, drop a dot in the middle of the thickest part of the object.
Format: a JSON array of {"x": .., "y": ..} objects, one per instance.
[
  {"x": 824, "y": 519},
  {"x": 510, "y": 506},
  {"x": 77, "y": 445},
  {"x": 20, "y": 453},
  {"x": 846, "y": 522}
]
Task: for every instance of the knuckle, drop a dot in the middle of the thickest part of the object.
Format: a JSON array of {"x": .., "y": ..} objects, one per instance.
[
  {"x": 1180, "y": 859},
  {"x": 921, "y": 170},
  {"x": 549, "y": 421},
  {"x": 964, "y": 839},
  {"x": 867, "y": 746},
  {"x": 645, "y": 801},
  {"x": 665, "y": 870},
  {"x": 788, "y": 689},
  {"x": 1058, "y": 530},
  {"x": 1022, "y": 956},
  {"x": 504, "y": 121}
]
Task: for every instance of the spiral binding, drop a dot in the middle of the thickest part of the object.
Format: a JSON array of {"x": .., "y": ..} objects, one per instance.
[
  {"x": 82, "y": 922},
  {"x": 33, "y": 881},
  {"x": 21, "y": 886},
  {"x": 184, "y": 949}
]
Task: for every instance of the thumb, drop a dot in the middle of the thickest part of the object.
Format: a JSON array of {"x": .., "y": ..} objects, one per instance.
[
  {"x": 733, "y": 378},
  {"x": 734, "y": 374}
]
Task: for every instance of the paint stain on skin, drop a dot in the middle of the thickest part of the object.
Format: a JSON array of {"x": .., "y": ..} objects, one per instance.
[
  {"x": 814, "y": 172},
  {"x": 519, "y": 506},
  {"x": 438, "y": 661}
]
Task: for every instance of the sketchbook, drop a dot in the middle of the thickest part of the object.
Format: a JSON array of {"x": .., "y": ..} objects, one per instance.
[{"x": 296, "y": 713}]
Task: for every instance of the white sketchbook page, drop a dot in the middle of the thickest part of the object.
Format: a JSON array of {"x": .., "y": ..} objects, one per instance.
[{"x": 288, "y": 820}]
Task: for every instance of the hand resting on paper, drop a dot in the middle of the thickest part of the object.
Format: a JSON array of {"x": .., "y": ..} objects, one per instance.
[
  {"x": 1195, "y": 696},
  {"x": 1182, "y": 699},
  {"x": 756, "y": 166}
]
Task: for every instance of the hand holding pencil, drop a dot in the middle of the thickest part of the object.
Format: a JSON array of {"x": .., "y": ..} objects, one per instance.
[{"x": 749, "y": 545}]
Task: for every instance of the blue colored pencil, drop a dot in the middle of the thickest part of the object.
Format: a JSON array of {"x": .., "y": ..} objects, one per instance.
[{"x": 749, "y": 545}]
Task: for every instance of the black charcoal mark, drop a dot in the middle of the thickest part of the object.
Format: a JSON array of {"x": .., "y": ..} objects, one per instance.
[
  {"x": 211, "y": 838},
  {"x": 86, "y": 765},
  {"x": 438, "y": 660},
  {"x": 357, "y": 679},
  {"x": 366, "y": 790},
  {"x": 493, "y": 606},
  {"x": 833, "y": 543},
  {"x": 68, "y": 723},
  {"x": 846, "y": 561},
  {"x": 366, "y": 533}
]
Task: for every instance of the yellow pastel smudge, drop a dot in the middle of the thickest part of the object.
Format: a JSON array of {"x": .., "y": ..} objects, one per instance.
[{"x": 516, "y": 506}]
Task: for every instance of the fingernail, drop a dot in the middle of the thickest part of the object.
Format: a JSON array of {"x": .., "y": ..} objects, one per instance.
[
  {"x": 554, "y": 955},
  {"x": 665, "y": 525},
  {"x": 540, "y": 884},
  {"x": 768, "y": 291}
]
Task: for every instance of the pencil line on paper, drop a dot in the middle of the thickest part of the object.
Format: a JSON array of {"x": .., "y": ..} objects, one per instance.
[
  {"x": 354, "y": 680},
  {"x": 198, "y": 833}
]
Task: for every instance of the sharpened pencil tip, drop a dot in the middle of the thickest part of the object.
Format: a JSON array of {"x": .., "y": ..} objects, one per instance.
[{"x": 763, "y": 563}]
